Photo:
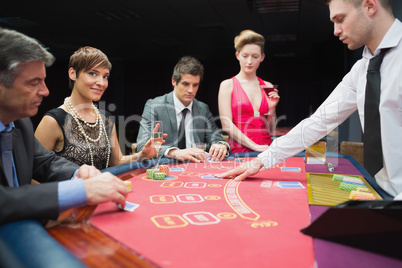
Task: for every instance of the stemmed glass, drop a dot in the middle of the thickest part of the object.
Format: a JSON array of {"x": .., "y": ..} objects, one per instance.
[
  {"x": 268, "y": 89},
  {"x": 157, "y": 137}
]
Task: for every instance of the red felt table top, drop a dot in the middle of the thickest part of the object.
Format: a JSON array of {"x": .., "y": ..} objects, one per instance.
[{"x": 190, "y": 220}]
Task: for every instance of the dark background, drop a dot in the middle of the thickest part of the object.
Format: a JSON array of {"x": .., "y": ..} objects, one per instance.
[{"x": 144, "y": 40}]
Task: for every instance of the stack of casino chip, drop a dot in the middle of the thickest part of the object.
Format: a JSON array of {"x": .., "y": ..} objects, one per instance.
[
  {"x": 353, "y": 180},
  {"x": 231, "y": 158},
  {"x": 164, "y": 169},
  {"x": 150, "y": 173},
  {"x": 349, "y": 186},
  {"x": 362, "y": 193},
  {"x": 128, "y": 185},
  {"x": 357, "y": 195},
  {"x": 363, "y": 190},
  {"x": 364, "y": 196},
  {"x": 159, "y": 176},
  {"x": 348, "y": 183},
  {"x": 337, "y": 177}
]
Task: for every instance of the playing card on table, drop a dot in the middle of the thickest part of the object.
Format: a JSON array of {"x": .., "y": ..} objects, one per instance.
[{"x": 129, "y": 206}]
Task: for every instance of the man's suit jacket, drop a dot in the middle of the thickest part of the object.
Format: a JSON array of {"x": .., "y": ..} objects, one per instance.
[
  {"x": 32, "y": 161},
  {"x": 162, "y": 109}
]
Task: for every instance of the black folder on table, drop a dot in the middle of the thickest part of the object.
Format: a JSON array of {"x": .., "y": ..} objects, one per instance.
[{"x": 370, "y": 225}]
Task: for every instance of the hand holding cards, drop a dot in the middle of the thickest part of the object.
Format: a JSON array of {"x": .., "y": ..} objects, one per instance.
[{"x": 129, "y": 206}]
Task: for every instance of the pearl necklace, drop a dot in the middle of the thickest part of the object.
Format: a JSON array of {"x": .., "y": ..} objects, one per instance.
[{"x": 71, "y": 110}]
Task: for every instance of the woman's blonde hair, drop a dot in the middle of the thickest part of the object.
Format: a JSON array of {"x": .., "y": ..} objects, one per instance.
[{"x": 249, "y": 37}]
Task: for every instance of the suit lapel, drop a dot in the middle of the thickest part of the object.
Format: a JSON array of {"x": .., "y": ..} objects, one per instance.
[
  {"x": 197, "y": 124},
  {"x": 171, "y": 111}
]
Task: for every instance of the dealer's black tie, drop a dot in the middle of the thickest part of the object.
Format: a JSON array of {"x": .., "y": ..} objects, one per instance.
[
  {"x": 182, "y": 130},
  {"x": 6, "y": 156},
  {"x": 373, "y": 159}
]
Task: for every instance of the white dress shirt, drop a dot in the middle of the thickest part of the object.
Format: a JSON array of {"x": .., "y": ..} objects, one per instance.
[
  {"x": 348, "y": 96},
  {"x": 179, "y": 106}
]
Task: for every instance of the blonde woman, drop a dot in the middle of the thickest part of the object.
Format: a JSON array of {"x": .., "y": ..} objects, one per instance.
[{"x": 246, "y": 111}]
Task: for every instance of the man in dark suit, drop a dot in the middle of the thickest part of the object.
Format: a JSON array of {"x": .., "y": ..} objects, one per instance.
[
  {"x": 198, "y": 124},
  {"x": 22, "y": 87}
]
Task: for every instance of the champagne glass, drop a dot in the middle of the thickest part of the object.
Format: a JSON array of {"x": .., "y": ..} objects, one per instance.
[{"x": 157, "y": 136}]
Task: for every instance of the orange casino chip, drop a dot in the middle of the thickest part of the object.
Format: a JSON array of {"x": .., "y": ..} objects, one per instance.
[{"x": 164, "y": 169}]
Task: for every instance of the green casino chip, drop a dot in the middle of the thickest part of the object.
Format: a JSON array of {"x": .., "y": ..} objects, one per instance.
[
  {"x": 150, "y": 173},
  {"x": 159, "y": 176}
]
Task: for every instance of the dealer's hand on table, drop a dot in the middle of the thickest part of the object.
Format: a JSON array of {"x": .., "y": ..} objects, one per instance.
[
  {"x": 217, "y": 152},
  {"x": 86, "y": 171},
  {"x": 243, "y": 171},
  {"x": 192, "y": 154},
  {"x": 105, "y": 187}
]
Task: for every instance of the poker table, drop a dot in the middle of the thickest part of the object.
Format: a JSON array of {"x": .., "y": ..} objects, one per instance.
[{"x": 194, "y": 219}]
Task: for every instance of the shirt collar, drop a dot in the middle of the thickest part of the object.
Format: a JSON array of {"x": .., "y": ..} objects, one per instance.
[
  {"x": 7, "y": 128},
  {"x": 179, "y": 106}
]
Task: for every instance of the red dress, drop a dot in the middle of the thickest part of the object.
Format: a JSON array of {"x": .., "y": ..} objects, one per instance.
[{"x": 254, "y": 126}]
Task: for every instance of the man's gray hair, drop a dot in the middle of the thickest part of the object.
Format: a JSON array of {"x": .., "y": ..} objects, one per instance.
[{"x": 15, "y": 49}]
